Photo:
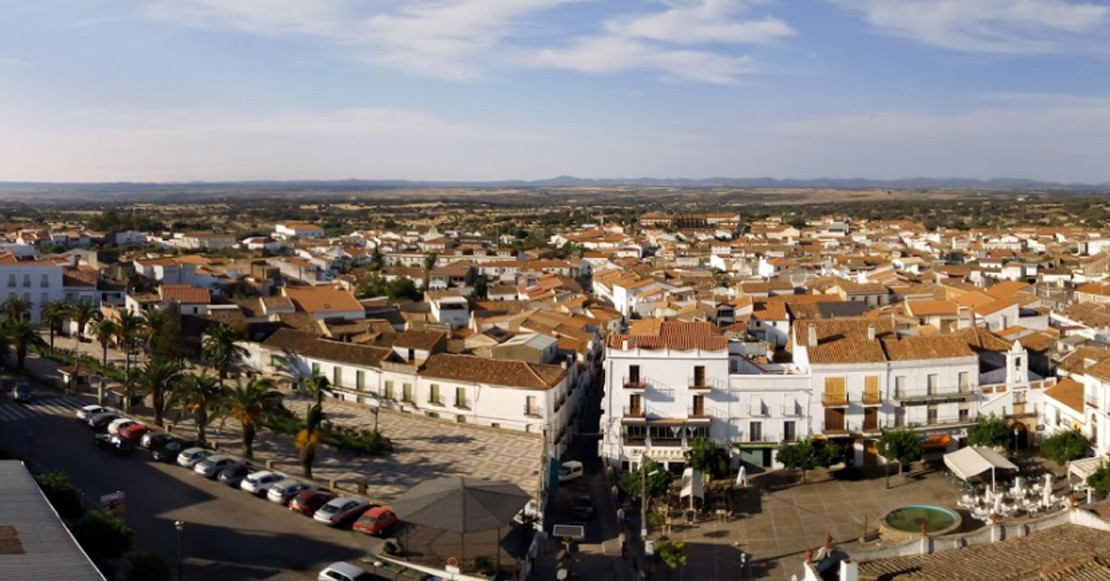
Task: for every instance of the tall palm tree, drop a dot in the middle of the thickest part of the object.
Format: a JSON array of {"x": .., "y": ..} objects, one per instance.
[
  {"x": 200, "y": 394},
  {"x": 104, "y": 330},
  {"x": 220, "y": 350},
  {"x": 308, "y": 439},
  {"x": 5, "y": 346},
  {"x": 24, "y": 336},
  {"x": 154, "y": 324},
  {"x": 81, "y": 313},
  {"x": 127, "y": 332},
  {"x": 159, "y": 378},
  {"x": 16, "y": 308},
  {"x": 54, "y": 315},
  {"x": 248, "y": 404}
]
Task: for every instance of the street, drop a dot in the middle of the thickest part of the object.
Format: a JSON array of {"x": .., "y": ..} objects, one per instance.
[{"x": 228, "y": 534}]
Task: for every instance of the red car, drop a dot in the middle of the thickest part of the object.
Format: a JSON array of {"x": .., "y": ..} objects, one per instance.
[
  {"x": 134, "y": 433},
  {"x": 376, "y": 520},
  {"x": 309, "y": 501}
]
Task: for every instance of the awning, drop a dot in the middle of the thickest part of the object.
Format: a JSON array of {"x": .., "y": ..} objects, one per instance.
[
  {"x": 975, "y": 460},
  {"x": 937, "y": 443},
  {"x": 1085, "y": 467}
]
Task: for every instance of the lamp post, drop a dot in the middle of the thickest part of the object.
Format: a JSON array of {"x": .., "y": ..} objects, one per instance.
[
  {"x": 1015, "y": 441},
  {"x": 644, "y": 496},
  {"x": 180, "y": 526}
]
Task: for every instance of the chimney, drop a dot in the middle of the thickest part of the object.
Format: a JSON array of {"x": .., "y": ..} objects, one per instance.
[
  {"x": 871, "y": 331},
  {"x": 624, "y": 345},
  {"x": 964, "y": 316},
  {"x": 849, "y": 571},
  {"x": 812, "y": 335}
]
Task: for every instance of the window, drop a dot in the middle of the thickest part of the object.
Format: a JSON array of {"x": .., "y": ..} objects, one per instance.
[
  {"x": 835, "y": 392},
  {"x": 789, "y": 432},
  {"x": 337, "y": 376},
  {"x": 699, "y": 376},
  {"x": 44, "y": 281},
  {"x": 44, "y": 299},
  {"x": 635, "y": 405},
  {"x": 460, "y": 398},
  {"x": 932, "y": 384},
  {"x": 871, "y": 389},
  {"x": 360, "y": 379},
  {"x": 315, "y": 368},
  {"x": 699, "y": 406},
  {"x": 406, "y": 393},
  {"x": 965, "y": 381},
  {"x": 755, "y": 431},
  {"x": 931, "y": 415},
  {"x": 433, "y": 394},
  {"x": 11, "y": 280},
  {"x": 26, "y": 280},
  {"x": 964, "y": 415},
  {"x": 389, "y": 395},
  {"x": 530, "y": 406},
  {"x": 900, "y": 386},
  {"x": 634, "y": 374}
]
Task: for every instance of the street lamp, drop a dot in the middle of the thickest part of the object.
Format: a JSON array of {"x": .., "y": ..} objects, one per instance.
[
  {"x": 1015, "y": 441},
  {"x": 180, "y": 526},
  {"x": 644, "y": 496}
]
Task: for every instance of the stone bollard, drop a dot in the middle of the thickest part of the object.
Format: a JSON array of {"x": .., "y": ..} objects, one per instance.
[
  {"x": 269, "y": 464},
  {"x": 360, "y": 484}
]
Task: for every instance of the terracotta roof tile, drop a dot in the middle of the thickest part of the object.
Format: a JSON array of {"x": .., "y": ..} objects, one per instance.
[
  {"x": 505, "y": 372},
  {"x": 185, "y": 294},
  {"x": 1068, "y": 392},
  {"x": 322, "y": 299}
]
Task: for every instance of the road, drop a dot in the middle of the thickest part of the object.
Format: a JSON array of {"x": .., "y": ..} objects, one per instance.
[{"x": 229, "y": 535}]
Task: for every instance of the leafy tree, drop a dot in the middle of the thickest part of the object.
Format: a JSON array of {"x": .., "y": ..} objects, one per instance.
[
  {"x": 154, "y": 325},
  {"x": 220, "y": 350},
  {"x": 159, "y": 378},
  {"x": 706, "y": 456},
  {"x": 404, "y": 288},
  {"x": 376, "y": 260},
  {"x": 810, "y": 454},
  {"x": 658, "y": 480},
  {"x": 1066, "y": 446},
  {"x": 168, "y": 343},
  {"x": 990, "y": 431},
  {"x": 481, "y": 288},
  {"x": 5, "y": 346},
  {"x": 23, "y": 336},
  {"x": 149, "y": 566},
  {"x": 308, "y": 439},
  {"x": 249, "y": 404},
  {"x": 200, "y": 395},
  {"x": 674, "y": 554},
  {"x": 81, "y": 313},
  {"x": 902, "y": 446},
  {"x": 16, "y": 308},
  {"x": 103, "y": 535},
  {"x": 54, "y": 315},
  {"x": 63, "y": 496},
  {"x": 1099, "y": 480}
]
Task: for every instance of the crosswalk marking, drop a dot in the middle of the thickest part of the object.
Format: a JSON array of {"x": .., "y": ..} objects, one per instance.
[{"x": 48, "y": 405}]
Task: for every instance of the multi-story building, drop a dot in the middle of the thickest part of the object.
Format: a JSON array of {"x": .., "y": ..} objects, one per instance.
[
  {"x": 287, "y": 230},
  {"x": 38, "y": 282}
]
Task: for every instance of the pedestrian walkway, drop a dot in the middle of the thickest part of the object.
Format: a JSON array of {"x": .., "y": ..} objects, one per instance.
[{"x": 55, "y": 405}]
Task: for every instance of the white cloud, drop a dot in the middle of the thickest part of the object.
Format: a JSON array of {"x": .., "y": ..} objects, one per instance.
[
  {"x": 14, "y": 62},
  {"x": 703, "y": 21},
  {"x": 617, "y": 54},
  {"x": 990, "y": 26}
]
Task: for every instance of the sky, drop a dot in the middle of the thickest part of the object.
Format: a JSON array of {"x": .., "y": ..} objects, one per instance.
[{"x": 178, "y": 90}]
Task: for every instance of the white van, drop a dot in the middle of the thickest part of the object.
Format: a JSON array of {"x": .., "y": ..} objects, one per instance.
[{"x": 570, "y": 470}]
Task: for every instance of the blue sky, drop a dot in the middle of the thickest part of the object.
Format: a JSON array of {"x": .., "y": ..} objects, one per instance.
[{"x": 169, "y": 90}]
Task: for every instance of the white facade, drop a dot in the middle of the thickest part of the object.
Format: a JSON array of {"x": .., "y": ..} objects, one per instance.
[{"x": 38, "y": 282}]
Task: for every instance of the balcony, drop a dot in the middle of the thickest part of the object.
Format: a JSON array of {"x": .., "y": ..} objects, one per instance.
[
  {"x": 937, "y": 423},
  {"x": 835, "y": 400},
  {"x": 634, "y": 412},
  {"x": 872, "y": 399},
  {"x": 926, "y": 396},
  {"x": 1092, "y": 401},
  {"x": 695, "y": 383},
  {"x": 871, "y": 428},
  {"x": 634, "y": 383},
  {"x": 840, "y": 429},
  {"x": 464, "y": 404},
  {"x": 697, "y": 412}
]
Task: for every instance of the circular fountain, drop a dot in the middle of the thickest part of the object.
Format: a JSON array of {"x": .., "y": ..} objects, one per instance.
[{"x": 907, "y": 522}]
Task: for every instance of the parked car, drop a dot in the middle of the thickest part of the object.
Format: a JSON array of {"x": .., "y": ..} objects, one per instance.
[
  {"x": 21, "y": 391},
  {"x": 119, "y": 423},
  {"x": 213, "y": 464},
  {"x": 259, "y": 482},
  {"x": 347, "y": 572},
  {"x": 376, "y": 520},
  {"x": 115, "y": 444},
  {"x": 582, "y": 507},
  {"x": 91, "y": 410},
  {"x": 153, "y": 439},
  {"x": 340, "y": 509},
  {"x": 169, "y": 451},
  {"x": 134, "y": 432},
  {"x": 233, "y": 475},
  {"x": 189, "y": 457},
  {"x": 283, "y": 491},
  {"x": 100, "y": 421},
  {"x": 570, "y": 470},
  {"x": 309, "y": 501}
]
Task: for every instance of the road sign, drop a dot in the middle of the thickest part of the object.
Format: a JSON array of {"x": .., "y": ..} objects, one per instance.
[
  {"x": 114, "y": 503},
  {"x": 576, "y": 532}
]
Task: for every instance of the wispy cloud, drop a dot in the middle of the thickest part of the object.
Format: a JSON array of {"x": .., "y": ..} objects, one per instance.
[
  {"x": 14, "y": 62},
  {"x": 466, "y": 39},
  {"x": 991, "y": 26}
]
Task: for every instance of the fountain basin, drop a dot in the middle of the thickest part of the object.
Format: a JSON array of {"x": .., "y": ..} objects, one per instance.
[{"x": 904, "y": 523}]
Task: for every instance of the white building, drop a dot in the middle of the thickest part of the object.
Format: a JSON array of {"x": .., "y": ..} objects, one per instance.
[
  {"x": 287, "y": 230},
  {"x": 36, "y": 281}
]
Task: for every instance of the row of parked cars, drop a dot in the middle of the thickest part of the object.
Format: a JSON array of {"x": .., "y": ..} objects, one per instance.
[{"x": 122, "y": 436}]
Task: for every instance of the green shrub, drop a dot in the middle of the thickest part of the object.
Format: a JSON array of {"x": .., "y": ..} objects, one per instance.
[
  {"x": 103, "y": 535},
  {"x": 150, "y": 566},
  {"x": 63, "y": 496},
  {"x": 1066, "y": 446},
  {"x": 485, "y": 564}
]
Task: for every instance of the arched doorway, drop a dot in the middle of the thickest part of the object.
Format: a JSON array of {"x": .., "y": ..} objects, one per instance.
[{"x": 1021, "y": 435}]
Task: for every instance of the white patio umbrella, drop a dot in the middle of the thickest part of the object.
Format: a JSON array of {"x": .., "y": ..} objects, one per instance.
[
  {"x": 742, "y": 476},
  {"x": 1019, "y": 487},
  {"x": 998, "y": 504},
  {"x": 1046, "y": 495}
]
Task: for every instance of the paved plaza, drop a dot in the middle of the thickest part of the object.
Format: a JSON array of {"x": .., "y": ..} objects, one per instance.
[{"x": 776, "y": 523}]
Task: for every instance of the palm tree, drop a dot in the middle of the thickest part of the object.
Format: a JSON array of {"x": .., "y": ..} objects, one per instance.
[
  {"x": 200, "y": 394},
  {"x": 5, "y": 346},
  {"x": 54, "y": 315},
  {"x": 24, "y": 336},
  {"x": 104, "y": 330},
  {"x": 220, "y": 350},
  {"x": 159, "y": 378},
  {"x": 308, "y": 439},
  {"x": 249, "y": 403},
  {"x": 81, "y": 313},
  {"x": 127, "y": 331},
  {"x": 154, "y": 323},
  {"x": 16, "y": 308}
]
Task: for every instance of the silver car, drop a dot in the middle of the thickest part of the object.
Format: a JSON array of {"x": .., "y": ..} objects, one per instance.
[{"x": 212, "y": 465}]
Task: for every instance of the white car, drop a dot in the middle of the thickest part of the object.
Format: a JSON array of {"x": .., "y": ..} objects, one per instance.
[
  {"x": 91, "y": 410},
  {"x": 345, "y": 572},
  {"x": 117, "y": 425},
  {"x": 190, "y": 456},
  {"x": 212, "y": 465},
  {"x": 570, "y": 470},
  {"x": 259, "y": 482},
  {"x": 283, "y": 491},
  {"x": 340, "y": 509}
]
